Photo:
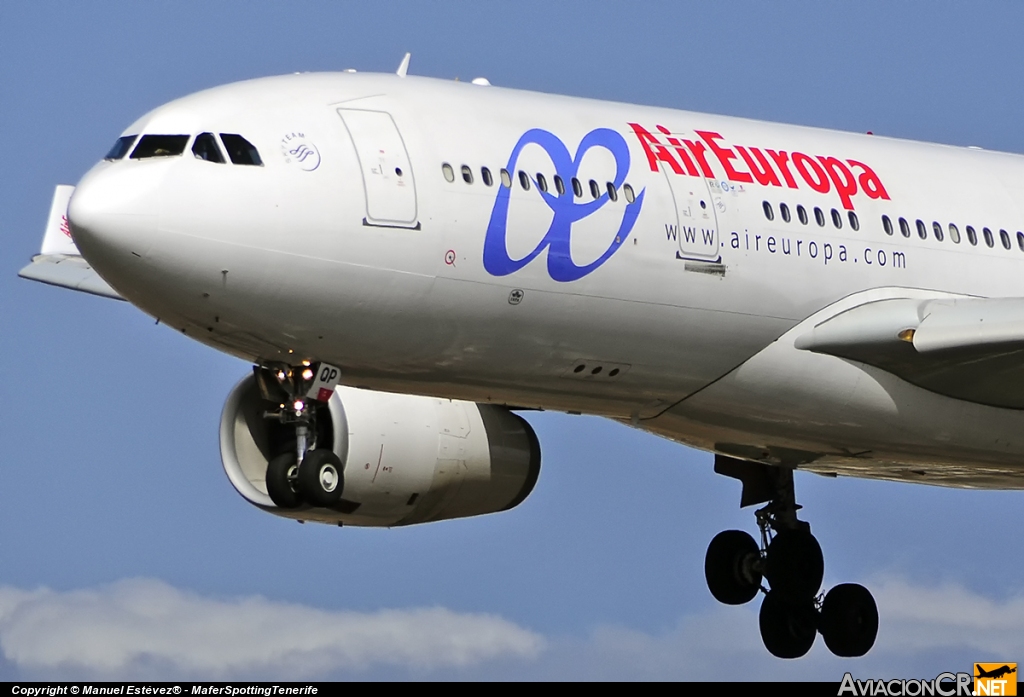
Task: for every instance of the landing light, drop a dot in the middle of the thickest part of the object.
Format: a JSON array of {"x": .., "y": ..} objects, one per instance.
[
  {"x": 299, "y": 406},
  {"x": 906, "y": 335},
  {"x": 307, "y": 374}
]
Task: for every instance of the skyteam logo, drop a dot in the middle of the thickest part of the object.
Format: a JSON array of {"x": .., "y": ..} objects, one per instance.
[{"x": 561, "y": 266}]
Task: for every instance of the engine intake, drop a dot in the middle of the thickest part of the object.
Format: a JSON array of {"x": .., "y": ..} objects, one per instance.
[{"x": 407, "y": 459}]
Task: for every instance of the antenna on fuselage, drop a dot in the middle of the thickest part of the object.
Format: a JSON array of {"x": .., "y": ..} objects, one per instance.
[{"x": 403, "y": 67}]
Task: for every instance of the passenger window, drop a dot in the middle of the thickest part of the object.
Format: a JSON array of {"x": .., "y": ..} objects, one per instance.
[
  {"x": 837, "y": 219},
  {"x": 485, "y": 174},
  {"x": 954, "y": 233},
  {"x": 937, "y": 230},
  {"x": 159, "y": 146},
  {"x": 887, "y": 224},
  {"x": 904, "y": 227},
  {"x": 767, "y": 207},
  {"x": 506, "y": 178},
  {"x": 121, "y": 148},
  {"x": 628, "y": 190},
  {"x": 854, "y": 222},
  {"x": 819, "y": 217},
  {"x": 1004, "y": 237},
  {"x": 206, "y": 148},
  {"x": 467, "y": 174},
  {"x": 612, "y": 193},
  {"x": 449, "y": 173},
  {"x": 542, "y": 183},
  {"x": 784, "y": 212},
  {"x": 922, "y": 230},
  {"x": 559, "y": 185},
  {"x": 988, "y": 236},
  {"x": 1020, "y": 240},
  {"x": 240, "y": 151},
  {"x": 595, "y": 190},
  {"x": 972, "y": 236},
  {"x": 524, "y": 180},
  {"x": 577, "y": 188},
  {"x": 801, "y": 213}
]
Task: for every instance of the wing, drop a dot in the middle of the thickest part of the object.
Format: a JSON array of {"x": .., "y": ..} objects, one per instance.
[
  {"x": 966, "y": 348},
  {"x": 59, "y": 262}
]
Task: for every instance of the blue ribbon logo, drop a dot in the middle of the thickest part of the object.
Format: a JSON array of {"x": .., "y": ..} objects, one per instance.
[{"x": 567, "y": 211}]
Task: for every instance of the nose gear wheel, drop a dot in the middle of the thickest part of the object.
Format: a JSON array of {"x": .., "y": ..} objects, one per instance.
[
  {"x": 282, "y": 473},
  {"x": 320, "y": 479}
]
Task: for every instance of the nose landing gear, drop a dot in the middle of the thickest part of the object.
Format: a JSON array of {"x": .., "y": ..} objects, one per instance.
[
  {"x": 789, "y": 558},
  {"x": 302, "y": 472}
]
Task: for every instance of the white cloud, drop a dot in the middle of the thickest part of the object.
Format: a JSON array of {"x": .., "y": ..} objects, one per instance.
[
  {"x": 918, "y": 618},
  {"x": 120, "y": 628},
  {"x": 146, "y": 628},
  {"x": 924, "y": 630}
]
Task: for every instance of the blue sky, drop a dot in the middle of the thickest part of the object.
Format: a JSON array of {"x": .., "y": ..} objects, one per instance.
[{"x": 124, "y": 552}]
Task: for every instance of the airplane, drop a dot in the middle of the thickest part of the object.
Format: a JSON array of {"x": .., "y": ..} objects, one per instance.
[
  {"x": 995, "y": 672},
  {"x": 411, "y": 262}
]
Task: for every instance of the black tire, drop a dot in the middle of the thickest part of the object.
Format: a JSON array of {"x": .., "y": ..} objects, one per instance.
[
  {"x": 728, "y": 570},
  {"x": 849, "y": 620},
  {"x": 794, "y": 565},
  {"x": 281, "y": 481},
  {"x": 320, "y": 478},
  {"x": 787, "y": 628}
]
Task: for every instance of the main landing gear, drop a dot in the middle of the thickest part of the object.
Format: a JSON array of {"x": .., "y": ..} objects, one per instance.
[
  {"x": 300, "y": 472},
  {"x": 789, "y": 559}
]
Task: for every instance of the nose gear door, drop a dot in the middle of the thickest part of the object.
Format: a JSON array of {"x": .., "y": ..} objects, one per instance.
[{"x": 384, "y": 164}]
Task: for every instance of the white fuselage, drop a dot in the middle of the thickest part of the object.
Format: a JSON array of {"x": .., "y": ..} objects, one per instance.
[{"x": 350, "y": 245}]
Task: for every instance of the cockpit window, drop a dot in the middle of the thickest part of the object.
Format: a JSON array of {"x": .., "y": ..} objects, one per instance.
[
  {"x": 121, "y": 148},
  {"x": 241, "y": 151},
  {"x": 159, "y": 146},
  {"x": 206, "y": 148}
]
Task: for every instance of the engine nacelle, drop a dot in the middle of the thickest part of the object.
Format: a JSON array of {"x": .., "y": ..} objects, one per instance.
[{"x": 407, "y": 459}]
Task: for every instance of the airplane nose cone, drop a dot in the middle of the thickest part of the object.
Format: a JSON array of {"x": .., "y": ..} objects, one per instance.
[{"x": 113, "y": 216}]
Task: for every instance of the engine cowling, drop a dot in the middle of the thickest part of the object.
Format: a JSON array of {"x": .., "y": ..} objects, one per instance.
[{"x": 407, "y": 459}]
